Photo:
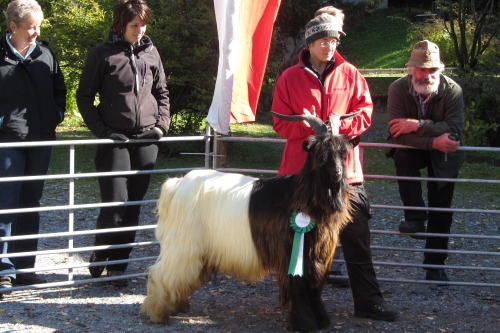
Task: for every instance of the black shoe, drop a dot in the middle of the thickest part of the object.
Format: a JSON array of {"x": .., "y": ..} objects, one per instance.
[
  {"x": 411, "y": 227},
  {"x": 436, "y": 275},
  {"x": 117, "y": 283},
  {"x": 5, "y": 284},
  {"x": 29, "y": 279},
  {"x": 378, "y": 312},
  {"x": 336, "y": 280},
  {"x": 96, "y": 271}
]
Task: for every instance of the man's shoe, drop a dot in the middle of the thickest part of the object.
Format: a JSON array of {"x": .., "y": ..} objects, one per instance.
[
  {"x": 336, "y": 280},
  {"x": 411, "y": 227},
  {"x": 377, "y": 312},
  {"x": 436, "y": 275},
  {"x": 5, "y": 284},
  {"x": 96, "y": 271},
  {"x": 29, "y": 279},
  {"x": 117, "y": 283}
]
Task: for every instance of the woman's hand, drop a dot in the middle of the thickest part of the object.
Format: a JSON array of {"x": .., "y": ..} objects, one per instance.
[
  {"x": 115, "y": 135},
  {"x": 307, "y": 113}
]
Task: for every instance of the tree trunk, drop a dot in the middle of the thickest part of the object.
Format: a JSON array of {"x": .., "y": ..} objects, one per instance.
[{"x": 469, "y": 51}]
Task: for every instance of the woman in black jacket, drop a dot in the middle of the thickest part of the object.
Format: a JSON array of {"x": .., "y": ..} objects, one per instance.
[
  {"x": 32, "y": 104},
  {"x": 127, "y": 73}
]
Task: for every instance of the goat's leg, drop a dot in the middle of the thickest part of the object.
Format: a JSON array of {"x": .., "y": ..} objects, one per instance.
[
  {"x": 302, "y": 317},
  {"x": 318, "y": 308},
  {"x": 182, "y": 305},
  {"x": 169, "y": 286},
  {"x": 156, "y": 304}
]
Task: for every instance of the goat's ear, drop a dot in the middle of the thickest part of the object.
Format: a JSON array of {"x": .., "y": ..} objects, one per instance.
[{"x": 306, "y": 145}]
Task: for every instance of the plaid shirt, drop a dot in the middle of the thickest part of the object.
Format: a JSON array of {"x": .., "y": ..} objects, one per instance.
[{"x": 424, "y": 102}]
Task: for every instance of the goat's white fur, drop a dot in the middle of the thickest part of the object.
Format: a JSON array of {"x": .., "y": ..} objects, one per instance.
[{"x": 202, "y": 223}]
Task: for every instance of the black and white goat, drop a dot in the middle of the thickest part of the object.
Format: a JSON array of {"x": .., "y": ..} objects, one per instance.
[{"x": 239, "y": 225}]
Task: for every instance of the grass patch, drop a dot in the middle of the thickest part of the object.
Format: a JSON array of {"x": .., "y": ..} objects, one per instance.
[
  {"x": 257, "y": 155},
  {"x": 378, "y": 41}
]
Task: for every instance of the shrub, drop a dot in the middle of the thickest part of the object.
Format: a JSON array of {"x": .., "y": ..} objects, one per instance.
[{"x": 482, "y": 109}]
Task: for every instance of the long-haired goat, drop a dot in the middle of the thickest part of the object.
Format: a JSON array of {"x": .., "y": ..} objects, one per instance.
[{"x": 240, "y": 225}]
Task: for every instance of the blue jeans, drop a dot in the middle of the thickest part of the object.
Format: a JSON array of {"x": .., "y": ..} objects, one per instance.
[{"x": 15, "y": 162}]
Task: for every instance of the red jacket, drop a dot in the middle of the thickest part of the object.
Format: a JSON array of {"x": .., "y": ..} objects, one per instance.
[{"x": 344, "y": 91}]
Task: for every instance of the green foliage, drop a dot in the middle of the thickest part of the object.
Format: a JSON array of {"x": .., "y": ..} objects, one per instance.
[
  {"x": 72, "y": 28},
  {"x": 472, "y": 27},
  {"x": 476, "y": 130},
  {"x": 482, "y": 113},
  {"x": 185, "y": 122},
  {"x": 293, "y": 16},
  {"x": 490, "y": 59}
]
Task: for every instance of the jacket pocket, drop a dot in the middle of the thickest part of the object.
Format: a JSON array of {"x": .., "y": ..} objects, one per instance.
[{"x": 336, "y": 101}]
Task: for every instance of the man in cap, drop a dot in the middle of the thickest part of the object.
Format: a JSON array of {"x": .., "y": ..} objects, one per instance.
[
  {"x": 426, "y": 111},
  {"x": 322, "y": 83}
]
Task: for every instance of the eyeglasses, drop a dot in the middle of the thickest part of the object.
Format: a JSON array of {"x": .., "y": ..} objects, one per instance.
[{"x": 333, "y": 43}]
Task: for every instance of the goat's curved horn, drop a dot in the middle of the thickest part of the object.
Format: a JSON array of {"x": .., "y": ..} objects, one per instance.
[
  {"x": 318, "y": 126},
  {"x": 350, "y": 115},
  {"x": 335, "y": 120}
]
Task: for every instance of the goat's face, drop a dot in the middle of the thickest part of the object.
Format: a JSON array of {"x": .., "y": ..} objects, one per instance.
[
  {"x": 323, "y": 178},
  {"x": 328, "y": 153},
  {"x": 325, "y": 167}
]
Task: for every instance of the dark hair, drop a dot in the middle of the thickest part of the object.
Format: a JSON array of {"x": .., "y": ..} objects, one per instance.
[{"x": 126, "y": 11}]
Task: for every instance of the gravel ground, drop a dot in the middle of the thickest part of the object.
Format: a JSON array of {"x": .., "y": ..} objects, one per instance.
[{"x": 230, "y": 305}]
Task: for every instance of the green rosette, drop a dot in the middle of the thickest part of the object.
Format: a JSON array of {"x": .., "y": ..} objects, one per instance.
[{"x": 301, "y": 223}]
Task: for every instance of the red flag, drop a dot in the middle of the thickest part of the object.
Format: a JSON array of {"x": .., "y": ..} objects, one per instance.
[{"x": 244, "y": 29}]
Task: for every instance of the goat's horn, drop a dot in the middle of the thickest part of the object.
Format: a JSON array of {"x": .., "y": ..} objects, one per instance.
[
  {"x": 335, "y": 120},
  {"x": 316, "y": 124},
  {"x": 349, "y": 115}
]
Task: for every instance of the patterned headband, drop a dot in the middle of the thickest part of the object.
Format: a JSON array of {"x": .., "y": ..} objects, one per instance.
[{"x": 319, "y": 28}]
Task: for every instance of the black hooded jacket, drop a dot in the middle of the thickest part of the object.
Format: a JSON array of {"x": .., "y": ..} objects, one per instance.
[
  {"x": 32, "y": 94},
  {"x": 131, "y": 84}
]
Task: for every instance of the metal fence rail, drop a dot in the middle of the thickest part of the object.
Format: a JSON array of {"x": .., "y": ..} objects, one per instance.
[
  {"x": 364, "y": 145},
  {"x": 72, "y": 207}
]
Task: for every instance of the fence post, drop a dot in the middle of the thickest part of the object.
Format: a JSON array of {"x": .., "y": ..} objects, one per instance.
[
  {"x": 71, "y": 212},
  {"x": 208, "y": 133},
  {"x": 220, "y": 152}
]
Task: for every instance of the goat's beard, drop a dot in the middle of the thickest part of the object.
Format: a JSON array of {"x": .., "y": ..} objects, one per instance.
[{"x": 425, "y": 86}]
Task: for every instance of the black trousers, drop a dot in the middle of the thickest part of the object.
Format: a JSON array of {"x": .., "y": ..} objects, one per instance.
[
  {"x": 122, "y": 157},
  {"x": 355, "y": 240},
  {"x": 408, "y": 163}
]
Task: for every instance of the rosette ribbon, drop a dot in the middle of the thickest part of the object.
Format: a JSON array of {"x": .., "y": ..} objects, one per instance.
[{"x": 301, "y": 223}]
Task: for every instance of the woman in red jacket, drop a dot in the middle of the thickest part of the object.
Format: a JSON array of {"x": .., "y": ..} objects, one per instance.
[{"x": 322, "y": 83}]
